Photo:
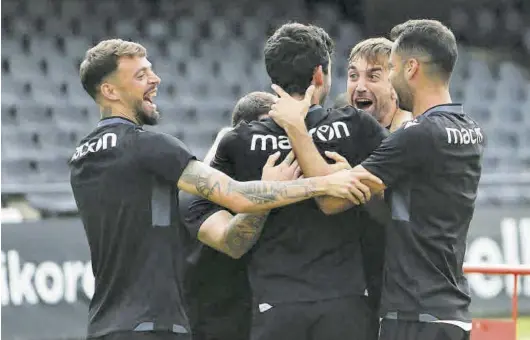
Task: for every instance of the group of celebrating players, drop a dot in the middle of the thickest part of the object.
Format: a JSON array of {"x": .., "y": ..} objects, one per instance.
[{"x": 302, "y": 222}]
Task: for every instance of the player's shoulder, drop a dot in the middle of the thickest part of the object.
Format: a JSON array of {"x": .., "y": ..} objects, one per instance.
[
  {"x": 265, "y": 125},
  {"x": 352, "y": 114}
]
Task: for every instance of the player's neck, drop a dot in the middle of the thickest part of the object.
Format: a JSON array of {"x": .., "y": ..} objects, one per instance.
[
  {"x": 314, "y": 100},
  {"x": 389, "y": 117},
  {"x": 429, "y": 97},
  {"x": 108, "y": 111}
]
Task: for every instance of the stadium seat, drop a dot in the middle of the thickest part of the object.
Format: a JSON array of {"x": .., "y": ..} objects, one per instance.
[
  {"x": 12, "y": 47},
  {"x": 480, "y": 72},
  {"x": 25, "y": 68},
  {"x": 479, "y": 112},
  {"x": 219, "y": 29},
  {"x": 509, "y": 90},
  {"x": 507, "y": 114},
  {"x": 72, "y": 9},
  {"x": 76, "y": 47},
  {"x": 34, "y": 115},
  {"x": 19, "y": 172},
  {"x": 157, "y": 30},
  {"x": 41, "y": 46},
  {"x": 75, "y": 117},
  {"x": 55, "y": 169},
  {"x": 53, "y": 203},
  {"x": 178, "y": 50},
  {"x": 47, "y": 92},
  {"x": 186, "y": 28},
  {"x": 20, "y": 144}
]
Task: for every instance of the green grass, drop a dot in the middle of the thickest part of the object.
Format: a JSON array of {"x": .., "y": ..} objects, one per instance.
[{"x": 523, "y": 328}]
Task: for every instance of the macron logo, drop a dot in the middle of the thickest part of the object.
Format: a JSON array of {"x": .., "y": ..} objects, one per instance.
[
  {"x": 323, "y": 133},
  {"x": 464, "y": 136},
  {"x": 108, "y": 140}
]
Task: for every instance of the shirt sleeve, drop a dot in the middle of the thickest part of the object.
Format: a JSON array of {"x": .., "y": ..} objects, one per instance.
[
  {"x": 162, "y": 154},
  {"x": 223, "y": 160},
  {"x": 405, "y": 150},
  {"x": 373, "y": 133},
  {"x": 194, "y": 210}
]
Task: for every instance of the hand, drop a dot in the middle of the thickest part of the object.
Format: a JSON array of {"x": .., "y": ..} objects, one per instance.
[
  {"x": 287, "y": 170},
  {"x": 287, "y": 111},
  {"x": 347, "y": 184},
  {"x": 341, "y": 163}
]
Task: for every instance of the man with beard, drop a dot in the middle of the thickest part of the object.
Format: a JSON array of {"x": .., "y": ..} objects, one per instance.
[
  {"x": 125, "y": 181},
  {"x": 432, "y": 167},
  {"x": 305, "y": 271},
  {"x": 216, "y": 288},
  {"x": 369, "y": 88}
]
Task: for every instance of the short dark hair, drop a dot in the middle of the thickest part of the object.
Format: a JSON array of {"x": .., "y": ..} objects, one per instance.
[
  {"x": 102, "y": 59},
  {"x": 428, "y": 38},
  {"x": 251, "y": 107},
  {"x": 293, "y": 52}
]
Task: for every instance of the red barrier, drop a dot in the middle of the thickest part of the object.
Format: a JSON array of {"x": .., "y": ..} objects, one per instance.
[{"x": 484, "y": 329}]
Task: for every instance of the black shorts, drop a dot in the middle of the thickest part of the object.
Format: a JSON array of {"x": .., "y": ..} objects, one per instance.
[
  {"x": 335, "y": 319},
  {"x": 144, "y": 336},
  {"x": 415, "y": 330}
]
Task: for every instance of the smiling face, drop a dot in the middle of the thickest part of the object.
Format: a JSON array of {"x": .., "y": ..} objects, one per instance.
[
  {"x": 369, "y": 88},
  {"x": 137, "y": 85}
]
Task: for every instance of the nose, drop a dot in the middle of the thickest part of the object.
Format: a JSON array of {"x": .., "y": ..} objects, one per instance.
[
  {"x": 155, "y": 79},
  {"x": 361, "y": 86}
]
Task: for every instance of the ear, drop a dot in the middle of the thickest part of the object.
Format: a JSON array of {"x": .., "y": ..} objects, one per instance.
[
  {"x": 109, "y": 92},
  {"x": 411, "y": 68},
  {"x": 393, "y": 93},
  {"x": 318, "y": 76}
]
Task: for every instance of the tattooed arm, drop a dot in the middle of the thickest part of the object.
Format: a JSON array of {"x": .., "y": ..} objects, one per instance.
[
  {"x": 255, "y": 196},
  {"x": 236, "y": 236}
]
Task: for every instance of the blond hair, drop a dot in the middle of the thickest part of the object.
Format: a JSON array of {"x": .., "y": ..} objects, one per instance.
[
  {"x": 102, "y": 60},
  {"x": 373, "y": 50}
]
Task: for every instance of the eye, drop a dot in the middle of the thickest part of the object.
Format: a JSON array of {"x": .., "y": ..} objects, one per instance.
[
  {"x": 141, "y": 76},
  {"x": 354, "y": 76},
  {"x": 375, "y": 76}
]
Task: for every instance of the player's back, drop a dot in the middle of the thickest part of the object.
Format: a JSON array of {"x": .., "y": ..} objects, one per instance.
[
  {"x": 129, "y": 217},
  {"x": 302, "y": 253}
]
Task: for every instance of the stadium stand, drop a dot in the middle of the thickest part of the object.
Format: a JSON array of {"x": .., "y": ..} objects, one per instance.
[{"x": 209, "y": 54}]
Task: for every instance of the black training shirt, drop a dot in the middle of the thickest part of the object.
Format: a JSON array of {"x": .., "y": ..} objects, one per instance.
[
  {"x": 215, "y": 285},
  {"x": 124, "y": 183},
  {"x": 432, "y": 166},
  {"x": 302, "y": 254}
]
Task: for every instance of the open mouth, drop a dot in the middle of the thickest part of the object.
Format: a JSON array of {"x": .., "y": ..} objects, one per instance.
[
  {"x": 363, "y": 103},
  {"x": 148, "y": 97}
]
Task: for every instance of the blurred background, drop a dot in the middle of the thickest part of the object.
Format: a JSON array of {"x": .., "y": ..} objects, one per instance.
[{"x": 208, "y": 54}]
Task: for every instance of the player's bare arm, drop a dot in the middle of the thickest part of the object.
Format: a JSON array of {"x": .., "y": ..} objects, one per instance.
[
  {"x": 235, "y": 235},
  {"x": 289, "y": 113},
  {"x": 255, "y": 196}
]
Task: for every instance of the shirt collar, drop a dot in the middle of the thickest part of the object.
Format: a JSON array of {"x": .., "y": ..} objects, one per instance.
[
  {"x": 451, "y": 108},
  {"x": 315, "y": 114},
  {"x": 116, "y": 120}
]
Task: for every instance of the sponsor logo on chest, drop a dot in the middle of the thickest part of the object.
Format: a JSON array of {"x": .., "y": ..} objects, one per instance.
[{"x": 324, "y": 133}]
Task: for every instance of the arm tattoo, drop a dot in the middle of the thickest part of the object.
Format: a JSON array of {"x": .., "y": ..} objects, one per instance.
[
  {"x": 243, "y": 232},
  {"x": 202, "y": 180},
  {"x": 208, "y": 183}
]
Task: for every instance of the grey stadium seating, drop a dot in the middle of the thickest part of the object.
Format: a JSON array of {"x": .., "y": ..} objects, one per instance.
[{"x": 209, "y": 54}]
